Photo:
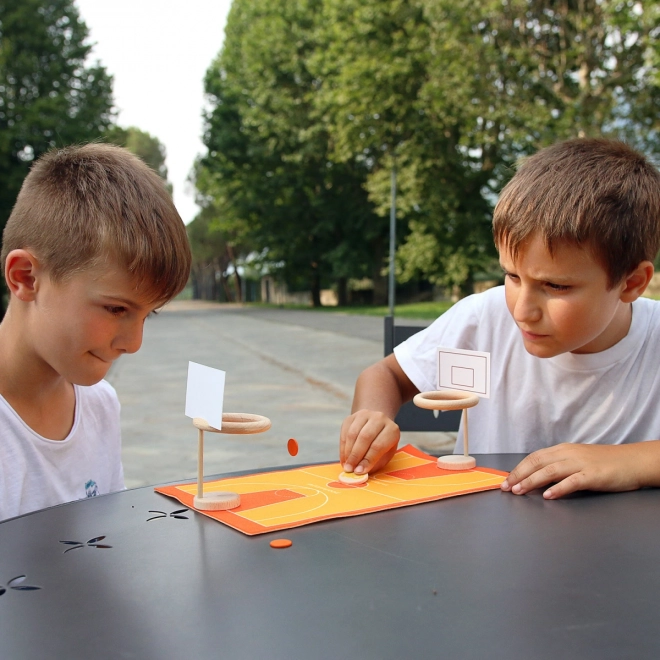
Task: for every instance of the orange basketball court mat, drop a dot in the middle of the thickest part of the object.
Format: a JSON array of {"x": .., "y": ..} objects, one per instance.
[{"x": 272, "y": 501}]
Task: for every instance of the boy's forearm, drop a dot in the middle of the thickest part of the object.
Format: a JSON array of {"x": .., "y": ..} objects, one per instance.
[
  {"x": 382, "y": 387},
  {"x": 647, "y": 457}
]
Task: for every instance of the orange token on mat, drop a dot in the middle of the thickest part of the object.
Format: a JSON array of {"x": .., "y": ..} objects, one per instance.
[
  {"x": 281, "y": 543},
  {"x": 292, "y": 446}
]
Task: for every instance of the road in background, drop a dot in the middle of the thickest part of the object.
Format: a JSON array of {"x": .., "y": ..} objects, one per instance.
[{"x": 296, "y": 367}]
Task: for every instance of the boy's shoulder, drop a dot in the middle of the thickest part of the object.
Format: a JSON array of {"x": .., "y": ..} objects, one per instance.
[
  {"x": 647, "y": 311},
  {"x": 100, "y": 396},
  {"x": 488, "y": 307}
]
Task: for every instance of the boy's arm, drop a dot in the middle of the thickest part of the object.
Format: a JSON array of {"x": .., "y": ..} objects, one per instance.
[
  {"x": 369, "y": 436},
  {"x": 573, "y": 467}
]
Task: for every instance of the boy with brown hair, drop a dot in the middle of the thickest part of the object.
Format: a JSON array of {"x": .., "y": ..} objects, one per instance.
[
  {"x": 574, "y": 349},
  {"x": 93, "y": 246}
]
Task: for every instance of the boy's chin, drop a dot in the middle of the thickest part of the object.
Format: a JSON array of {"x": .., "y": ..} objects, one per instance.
[
  {"x": 89, "y": 378},
  {"x": 542, "y": 351}
]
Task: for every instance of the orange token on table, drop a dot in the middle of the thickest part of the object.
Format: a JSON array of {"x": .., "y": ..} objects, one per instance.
[
  {"x": 281, "y": 543},
  {"x": 292, "y": 446}
]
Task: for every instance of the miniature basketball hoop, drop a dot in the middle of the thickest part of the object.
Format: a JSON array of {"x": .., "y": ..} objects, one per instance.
[
  {"x": 238, "y": 423},
  {"x": 451, "y": 400}
]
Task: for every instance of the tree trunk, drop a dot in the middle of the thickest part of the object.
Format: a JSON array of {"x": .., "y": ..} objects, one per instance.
[
  {"x": 379, "y": 279},
  {"x": 226, "y": 289},
  {"x": 194, "y": 276},
  {"x": 316, "y": 287},
  {"x": 237, "y": 277},
  {"x": 342, "y": 291}
]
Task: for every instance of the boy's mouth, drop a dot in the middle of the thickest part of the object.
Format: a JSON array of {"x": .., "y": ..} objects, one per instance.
[
  {"x": 100, "y": 358},
  {"x": 531, "y": 335}
]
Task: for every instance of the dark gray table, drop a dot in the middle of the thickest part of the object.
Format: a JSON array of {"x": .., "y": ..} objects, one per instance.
[{"x": 487, "y": 575}]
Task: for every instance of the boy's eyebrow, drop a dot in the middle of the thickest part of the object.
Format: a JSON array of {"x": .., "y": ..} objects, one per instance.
[
  {"x": 541, "y": 277},
  {"x": 122, "y": 301}
]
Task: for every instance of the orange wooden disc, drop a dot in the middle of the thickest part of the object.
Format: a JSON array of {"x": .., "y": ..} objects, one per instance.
[
  {"x": 281, "y": 543},
  {"x": 292, "y": 446}
]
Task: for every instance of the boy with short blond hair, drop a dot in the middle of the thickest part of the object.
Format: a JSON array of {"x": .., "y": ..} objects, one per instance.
[
  {"x": 574, "y": 349},
  {"x": 93, "y": 246}
]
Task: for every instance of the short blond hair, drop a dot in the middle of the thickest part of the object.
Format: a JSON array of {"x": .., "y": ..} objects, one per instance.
[
  {"x": 594, "y": 192},
  {"x": 83, "y": 204}
]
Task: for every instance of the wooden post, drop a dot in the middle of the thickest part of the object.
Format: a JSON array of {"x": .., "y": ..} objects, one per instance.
[{"x": 200, "y": 463}]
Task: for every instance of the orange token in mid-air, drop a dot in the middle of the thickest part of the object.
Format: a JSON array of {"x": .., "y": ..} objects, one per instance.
[
  {"x": 281, "y": 543},
  {"x": 292, "y": 446}
]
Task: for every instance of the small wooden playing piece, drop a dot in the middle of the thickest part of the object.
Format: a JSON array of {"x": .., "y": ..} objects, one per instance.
[
  {"x": 352, "y": 479},
  {"x": 281, "y": 543},
  {"x": 292, "y": 447},
  {"x": 231, "y": 423},
  {"x": 451, "y": 400}
]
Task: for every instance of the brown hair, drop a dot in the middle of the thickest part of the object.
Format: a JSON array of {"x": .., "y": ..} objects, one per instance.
[
  {"x": 83, "y": 204},
  {"x": 597, "y": 193}
]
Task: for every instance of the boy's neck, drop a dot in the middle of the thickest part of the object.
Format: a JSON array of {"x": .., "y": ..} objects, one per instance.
[{"x": 43, "y": 399}]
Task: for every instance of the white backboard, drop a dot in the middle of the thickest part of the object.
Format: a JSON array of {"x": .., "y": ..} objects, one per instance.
[
  {"x": 469, "y": 371},
  {"x": 205, "y": 393}
]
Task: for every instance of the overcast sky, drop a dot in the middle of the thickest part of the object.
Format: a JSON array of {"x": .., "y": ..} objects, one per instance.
[{"x": 158, "y": 52}]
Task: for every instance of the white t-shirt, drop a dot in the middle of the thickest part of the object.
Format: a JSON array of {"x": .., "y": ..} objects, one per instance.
[
  {"x": 611, "y": 397},
  {"x": 36, "y": 472}
]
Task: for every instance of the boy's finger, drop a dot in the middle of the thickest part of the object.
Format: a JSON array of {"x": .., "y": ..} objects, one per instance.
[
  {"x": 571, "y": 484},
  {"x": 551, "y": 473},
  {"x": 352, "y": 428},
  {"x": 366, "y": 439},
  {"x": 380, "y": 450},
  {"x": 344, "y": 443},
  {"x": 528, "y": 466},
  {"x": 373, "y": 459}
]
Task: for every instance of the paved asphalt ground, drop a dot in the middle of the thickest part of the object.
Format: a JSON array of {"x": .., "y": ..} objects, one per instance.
[{"x": 296, "y": 367}]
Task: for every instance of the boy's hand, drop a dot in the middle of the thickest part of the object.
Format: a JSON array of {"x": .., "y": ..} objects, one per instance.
[
  {"x": 367, "y": 441},
  {"x": 573, "y": 467}
]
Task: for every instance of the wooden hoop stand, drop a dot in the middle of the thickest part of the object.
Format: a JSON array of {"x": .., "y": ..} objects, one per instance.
[
  {"x": 451, "y": 400},
  {"x": 236, "y": 423}
]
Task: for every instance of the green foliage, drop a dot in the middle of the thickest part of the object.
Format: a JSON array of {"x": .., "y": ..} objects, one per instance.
[
  {"x": 49, "y": 95},
  {"x": 313, "y": 102},
  {"x": 268, "y": 174},
  {"x": 149, "y": 148}
]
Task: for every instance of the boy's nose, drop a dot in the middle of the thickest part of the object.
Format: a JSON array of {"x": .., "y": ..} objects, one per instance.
[
  {"x": 526, "y": 309},
  {"x": 130, "y": 340}
]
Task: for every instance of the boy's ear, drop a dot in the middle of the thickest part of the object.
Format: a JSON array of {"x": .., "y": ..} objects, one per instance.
[
  {"x": 21, "y": 269},
  {"x": 636, "y": 282}
]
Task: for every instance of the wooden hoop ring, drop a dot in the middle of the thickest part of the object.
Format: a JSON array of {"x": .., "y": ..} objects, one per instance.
[
  {"x": 446, "y": 400},
  {"x": 238, "y": 423}
]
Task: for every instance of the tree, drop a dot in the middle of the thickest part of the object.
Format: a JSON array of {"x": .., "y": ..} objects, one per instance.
[
  {"x": 49, "y": 94},
  {"x": 376, "y": 69},
  {"x": 464, "y": 88},
  {"x": 268, "y": 170},
  {"x": 149, "y": 148}
]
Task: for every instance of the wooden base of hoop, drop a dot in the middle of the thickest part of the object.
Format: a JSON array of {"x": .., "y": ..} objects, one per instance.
[
  {"x": 217, "y": 501},
  {"x": 456, "y": 462}
]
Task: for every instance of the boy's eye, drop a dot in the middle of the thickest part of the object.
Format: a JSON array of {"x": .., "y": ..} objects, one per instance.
[
  {"x": 115, "y": 311},
  {"x": 557, "y": 287}
]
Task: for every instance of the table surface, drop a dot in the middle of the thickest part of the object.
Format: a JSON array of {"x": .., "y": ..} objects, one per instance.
[{"x": 481, "y": 575}]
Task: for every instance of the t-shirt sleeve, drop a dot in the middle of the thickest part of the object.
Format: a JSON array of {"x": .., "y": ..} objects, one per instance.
[{"x": 456, "y": 328}]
